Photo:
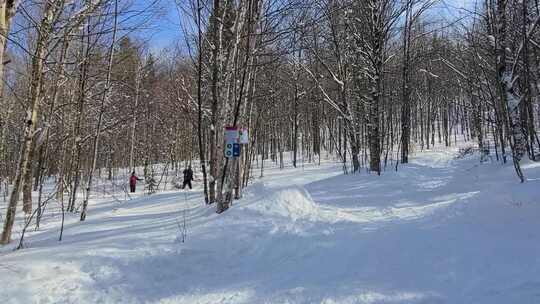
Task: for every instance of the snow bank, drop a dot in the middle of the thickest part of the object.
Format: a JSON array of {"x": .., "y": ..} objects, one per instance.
[
  {"x": 296, "y": 204},
  {"x": 293, "y": 202}
]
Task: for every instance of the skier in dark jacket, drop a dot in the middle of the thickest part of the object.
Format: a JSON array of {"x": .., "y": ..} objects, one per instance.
[
  {"x": 188, "y": 177},
  {"x": 133, "y": 182}
]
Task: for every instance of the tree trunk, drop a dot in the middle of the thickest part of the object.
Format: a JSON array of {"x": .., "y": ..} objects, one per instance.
[
  {"x": 508, "y": 96},
  {"x": 104, "y": 101},
  {"x": 406, "y": 107},
  {"x": 23, "y": 174},
  {"x": 199, "y": 101}
]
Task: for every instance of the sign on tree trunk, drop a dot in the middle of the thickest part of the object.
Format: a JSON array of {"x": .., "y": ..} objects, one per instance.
[{"x": 231, "y": 139}]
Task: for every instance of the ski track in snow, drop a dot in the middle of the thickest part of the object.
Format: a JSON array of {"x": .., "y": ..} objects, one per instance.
[{"x": 439, "y": 230}]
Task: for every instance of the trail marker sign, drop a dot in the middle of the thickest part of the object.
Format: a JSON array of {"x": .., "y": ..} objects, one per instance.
[
  {"x": 231, "y": 135},
  {"x": 244, "y": 136},
  {"x": 231, "y": 139},
  {"x": 234, "y": 138}
]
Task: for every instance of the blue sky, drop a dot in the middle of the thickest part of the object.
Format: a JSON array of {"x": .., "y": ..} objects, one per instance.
[{"x": 166, "y": 30}]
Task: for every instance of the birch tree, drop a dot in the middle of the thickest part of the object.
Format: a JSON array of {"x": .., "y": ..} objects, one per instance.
[{"x": 27, "y": 149}]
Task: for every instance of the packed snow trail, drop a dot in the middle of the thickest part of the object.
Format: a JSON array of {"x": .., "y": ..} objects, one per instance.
[{"x": 440, "y": 230}]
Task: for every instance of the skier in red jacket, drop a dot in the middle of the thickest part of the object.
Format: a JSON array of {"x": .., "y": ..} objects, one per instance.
[{"x": 133, "y": 181}]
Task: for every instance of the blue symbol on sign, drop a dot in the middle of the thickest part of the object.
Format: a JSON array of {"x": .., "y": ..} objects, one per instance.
[
  {"x": 229, "y": 150},
  {"x": 236, "y": 150}
]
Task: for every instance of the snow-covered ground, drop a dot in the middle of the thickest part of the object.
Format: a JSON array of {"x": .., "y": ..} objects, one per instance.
[{"x": 440, "y": 230}]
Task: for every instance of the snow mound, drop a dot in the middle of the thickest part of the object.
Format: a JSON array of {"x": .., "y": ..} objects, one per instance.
[
  {"x": 292, "y": 202},
  {"x": 295, "y": 204}
]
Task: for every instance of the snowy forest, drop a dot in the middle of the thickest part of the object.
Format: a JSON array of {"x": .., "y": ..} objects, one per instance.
[{"x": 357, "y": 88}]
